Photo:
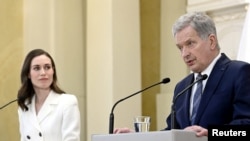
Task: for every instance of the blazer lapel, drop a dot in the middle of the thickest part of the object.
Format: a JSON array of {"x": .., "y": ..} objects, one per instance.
[
  {"x": 212, "y": 83},
  {"x": 32, "y": 114},
  {"x": 47, "y": 107},
  {"x": 185, "y": 98}
]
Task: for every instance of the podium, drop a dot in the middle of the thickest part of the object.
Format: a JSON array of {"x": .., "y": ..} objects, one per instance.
[{"x": 170, "y": 135}]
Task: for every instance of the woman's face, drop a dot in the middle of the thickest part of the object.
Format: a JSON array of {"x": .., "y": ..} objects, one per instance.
[{"x": 41, "y": 72}]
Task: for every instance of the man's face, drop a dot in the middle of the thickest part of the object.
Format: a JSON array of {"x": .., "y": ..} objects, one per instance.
[{"x": 197, "y": 53}]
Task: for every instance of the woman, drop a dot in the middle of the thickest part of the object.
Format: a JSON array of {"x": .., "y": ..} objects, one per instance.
[{"x": 45, "y": 112}]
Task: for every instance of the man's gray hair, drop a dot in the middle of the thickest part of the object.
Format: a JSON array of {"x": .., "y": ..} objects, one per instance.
[{"x": 199, "y": 21}]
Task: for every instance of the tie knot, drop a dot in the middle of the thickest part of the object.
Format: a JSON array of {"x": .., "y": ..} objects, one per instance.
[{"x": 199, "y": 76}]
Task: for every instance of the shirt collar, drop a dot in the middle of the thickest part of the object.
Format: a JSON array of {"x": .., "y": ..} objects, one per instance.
[{"x": 210, "y": 67}]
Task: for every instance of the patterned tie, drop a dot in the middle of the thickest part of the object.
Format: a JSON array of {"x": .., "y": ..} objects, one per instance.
[{"x": 196, "y": 98}]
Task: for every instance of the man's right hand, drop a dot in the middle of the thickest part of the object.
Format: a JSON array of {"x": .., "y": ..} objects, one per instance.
[{"x": 123, "y": 130}]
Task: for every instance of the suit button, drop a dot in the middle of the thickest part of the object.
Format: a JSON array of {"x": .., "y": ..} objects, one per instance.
[
  {"x": 28, "y": 137},
  {"x": 40, "y": 134}
]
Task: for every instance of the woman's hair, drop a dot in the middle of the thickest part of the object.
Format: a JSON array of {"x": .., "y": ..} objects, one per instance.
[
  {"x": 26, "y": 91},
  {"x": 199, "y": 21}
]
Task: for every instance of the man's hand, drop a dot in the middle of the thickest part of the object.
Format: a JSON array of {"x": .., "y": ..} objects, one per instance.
[
  {"x": 200, "y": 131},
  {"x": 123, "y": 130}
]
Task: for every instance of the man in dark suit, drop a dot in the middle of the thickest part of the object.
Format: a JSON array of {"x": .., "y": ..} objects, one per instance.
[{"x": 225, "y": 95}]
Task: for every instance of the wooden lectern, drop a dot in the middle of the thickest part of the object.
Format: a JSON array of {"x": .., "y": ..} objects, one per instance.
[{"x": 171, "y": 135}]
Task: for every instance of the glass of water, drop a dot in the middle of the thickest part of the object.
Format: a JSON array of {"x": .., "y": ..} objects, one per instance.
[{"x": 142, "y": 123}]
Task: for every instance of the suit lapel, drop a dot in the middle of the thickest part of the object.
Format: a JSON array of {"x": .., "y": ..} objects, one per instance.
[
  {"x": 32, "y": 114},
  {"x": 212, "y": 83},
  {"x": 47, "y": 107},
  {"x": 185, "y": 111}
]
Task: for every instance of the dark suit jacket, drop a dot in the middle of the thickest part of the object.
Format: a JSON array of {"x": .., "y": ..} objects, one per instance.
[{"x": 225, "y": 99}]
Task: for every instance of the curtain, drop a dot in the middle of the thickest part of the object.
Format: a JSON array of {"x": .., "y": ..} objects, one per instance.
[{"x": 244, "y": 46}]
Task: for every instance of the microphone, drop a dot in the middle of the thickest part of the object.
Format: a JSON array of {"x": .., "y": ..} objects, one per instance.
[
  {"x": 8, "y": 104},
  {"x": 173, "y": 121},
  {"x": 111, "y": 117}
]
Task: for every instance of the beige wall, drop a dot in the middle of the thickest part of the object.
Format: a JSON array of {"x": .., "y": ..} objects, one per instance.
[
  {"x": 11, "y": 48},
  {"x": 113, "y": 63},
  {"x": 172, "y": 65},
  {"x": 59, "y": 27},
  {"x": 104, "y": 51},
  {"x": 150, "y": 18},
  {"x": 160, "y": 57},
  {"x": 100, "y": 64},
  {"x": 56, "y": 26}
]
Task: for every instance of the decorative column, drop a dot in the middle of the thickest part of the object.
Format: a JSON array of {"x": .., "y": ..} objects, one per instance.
[{"x": 113, "y": 63}]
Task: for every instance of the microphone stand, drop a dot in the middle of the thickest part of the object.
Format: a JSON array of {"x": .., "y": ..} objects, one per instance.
[
  {"x": 8, "y": 104},
  {"x": 111, "y": 117}
]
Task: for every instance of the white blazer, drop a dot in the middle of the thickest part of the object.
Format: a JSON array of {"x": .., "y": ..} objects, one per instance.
[{"x": 57, "y": 120}]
